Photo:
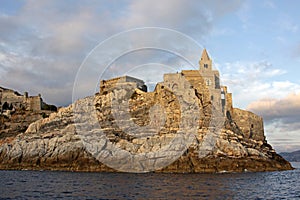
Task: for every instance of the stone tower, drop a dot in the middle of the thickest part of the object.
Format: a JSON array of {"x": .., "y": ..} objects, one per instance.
[
  {"x": 212, "y": 79},
  {"x": 215, "y": 97},
  {"x": 205, "y": 63}
]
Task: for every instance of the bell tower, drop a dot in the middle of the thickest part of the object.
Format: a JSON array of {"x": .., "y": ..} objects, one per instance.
[{"x": 205, "y": 63}]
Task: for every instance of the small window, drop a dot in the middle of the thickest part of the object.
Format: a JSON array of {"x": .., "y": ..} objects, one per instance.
[
  {"x": 212, "y": 97},
  {"x": 205, "y": 66},
  {"x": 222, "y": 96},
  {"x": 175, "y": 86},
  {"x": 208, "y": 82}
]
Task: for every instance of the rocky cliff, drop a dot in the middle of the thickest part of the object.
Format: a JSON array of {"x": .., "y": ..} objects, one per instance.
[{"x": 172, "y": 129}]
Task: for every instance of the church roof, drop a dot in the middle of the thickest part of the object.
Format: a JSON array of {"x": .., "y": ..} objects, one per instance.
[{"x": 204, "y": 55}]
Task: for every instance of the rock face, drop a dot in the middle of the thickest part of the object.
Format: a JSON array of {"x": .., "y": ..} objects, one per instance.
[
  {"x": 55, "y": 143},
  {"x": 15, "y": 122},
  {"x": 186, "y": 125}
]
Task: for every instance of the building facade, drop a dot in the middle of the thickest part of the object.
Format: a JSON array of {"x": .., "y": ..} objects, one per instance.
[{"x": 213, "y": 95}]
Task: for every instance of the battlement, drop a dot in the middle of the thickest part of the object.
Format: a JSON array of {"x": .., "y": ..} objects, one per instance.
[
  {"x": 107, "y": 85},
  {"x": 12, "y": 100},
  {"x": 250, "y": 124}
]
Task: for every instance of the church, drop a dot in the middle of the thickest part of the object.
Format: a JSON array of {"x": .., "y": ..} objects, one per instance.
[{"x": 206, "y": 83}]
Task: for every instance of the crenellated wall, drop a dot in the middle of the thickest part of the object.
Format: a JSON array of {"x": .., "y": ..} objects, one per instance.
[{"x": 17, "y": 101}]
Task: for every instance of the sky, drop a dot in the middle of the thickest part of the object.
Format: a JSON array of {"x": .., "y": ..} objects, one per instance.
[{"x": 45, "y": 46}]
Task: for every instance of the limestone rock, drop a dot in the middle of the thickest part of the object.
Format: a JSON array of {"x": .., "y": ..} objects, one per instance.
[
  {"x": 53, "y": 143},
  {"x": 187, "y": 124}
]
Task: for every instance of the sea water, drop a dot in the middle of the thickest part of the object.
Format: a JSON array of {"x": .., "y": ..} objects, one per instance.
[{"x": 77, "y": 185}]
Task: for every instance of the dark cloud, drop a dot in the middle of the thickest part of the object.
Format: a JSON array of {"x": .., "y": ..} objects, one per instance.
[
  {"x": 191, "y": 17},
  {"x": 278, "y": 108},
  {"x": 282, "y": 120},
  {"x": 43, "y": 44},
  {"x": 282, "y": 113}
]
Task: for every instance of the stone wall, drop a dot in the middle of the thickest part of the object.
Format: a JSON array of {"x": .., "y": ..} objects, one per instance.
[
  {"x": 250, "y": 124},
  {"x": 209, "y": 93},
  {"x": 221, "y": 101},
  {"x": 18, "y": 101},
  {"x": 143, "y": 124},
  {"x": 108, "y": 85},
  {"x": 11, "y": 98},
  {"x": 197, "y": 81},
  {"x": 131, "y": 124},
  {"x": 226, "y": 98},
  {"x": 34, "y": 103}
]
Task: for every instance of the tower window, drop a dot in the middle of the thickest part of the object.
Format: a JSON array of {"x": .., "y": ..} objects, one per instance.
[
  {"x": 222, "y": 96},
  {"x": 205, "y": 66},
  {"x": 208, "y": 82}
]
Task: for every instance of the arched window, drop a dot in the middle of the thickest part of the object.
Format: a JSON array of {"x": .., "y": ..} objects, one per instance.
[{"x": 175, "y": 86}]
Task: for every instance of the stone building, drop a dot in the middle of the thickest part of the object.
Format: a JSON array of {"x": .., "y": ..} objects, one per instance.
[
  {"x": 107, "y": 85},
  {"x": 250, "y": 123},
  {"x": 206, "y": 82},
  {"x": 10, "y": 100}
]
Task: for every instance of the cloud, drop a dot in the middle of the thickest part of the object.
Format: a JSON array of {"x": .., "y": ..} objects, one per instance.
[
  {"x": 43, "y": 43},
  {"x": 170, "y": 14},
  {"x": 286, "y": 109},
  {"x": 187, "y": 16},
  {"x": 244, "y": 14},
  {"x": 255, "y": 87},
  {"x": 282, "y": 119},
  {"x": 257, "y": 79}
]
